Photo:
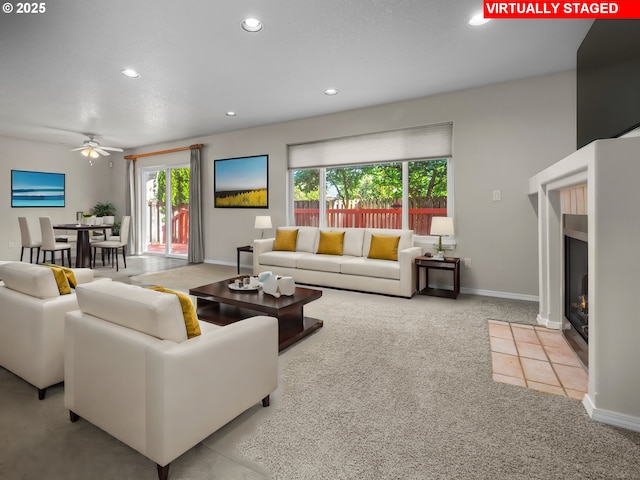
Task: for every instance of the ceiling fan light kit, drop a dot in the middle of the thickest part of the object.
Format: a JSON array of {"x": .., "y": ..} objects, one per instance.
[{"x": 91, "y": 148}]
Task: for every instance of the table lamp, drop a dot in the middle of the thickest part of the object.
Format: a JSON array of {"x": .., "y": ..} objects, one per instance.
[
  {"x": 441, "y": 226},
  {"x": 262, "y": 222}
]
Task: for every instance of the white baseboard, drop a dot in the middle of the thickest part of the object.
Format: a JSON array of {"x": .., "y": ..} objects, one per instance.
[
  {"x": 610, "y": 418},
  {"x": 493, "y": 293},
  {"x": 545, "y": 322}
]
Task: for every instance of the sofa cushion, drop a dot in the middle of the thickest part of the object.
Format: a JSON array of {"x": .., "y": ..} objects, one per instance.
[
  {"x": 368, "y": 267},
  {"x": 384, "y": 247},
  {"x": 330, "y": 243},
  {"x": 154, "y": 313},
  {"x": 353, "y": 242},
  {"x": 285, "y": 240},
  {"x": 406, "y": 238},
  {"x": 322, "y": 263},
  {"x": 34, "y": 280},
  {"x": 307, "y": 239},
  {"x": 188, "y": 310},
  {"x": 281, "y": 259}
]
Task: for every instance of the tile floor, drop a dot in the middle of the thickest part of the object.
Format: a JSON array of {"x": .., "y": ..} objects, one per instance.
[{"x": 536, "y": 358}]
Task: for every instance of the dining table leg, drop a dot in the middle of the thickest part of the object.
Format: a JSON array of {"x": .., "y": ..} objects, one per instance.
[{"x": 83, "y": 250}]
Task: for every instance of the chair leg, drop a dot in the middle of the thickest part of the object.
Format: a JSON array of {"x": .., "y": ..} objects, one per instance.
[
  {"x": 41, "y": 393},
  {"x": 163, "y": 472},
  {"x": 124, "y": 256},
  {"x": 22, "y": 253},
  {"x": 115, "y": 254},
  {"x": 68, "y": 257},
  {"x": 73, "y": 416},
  {"x": 265, "y": 401}
]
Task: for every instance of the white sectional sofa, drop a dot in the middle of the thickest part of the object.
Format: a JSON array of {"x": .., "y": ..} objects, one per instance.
[
  {"x": 32, "y": 322},
  {"x": 352, "y": 270}
]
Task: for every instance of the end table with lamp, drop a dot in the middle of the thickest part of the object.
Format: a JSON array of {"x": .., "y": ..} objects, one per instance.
[
  {"x": 441, "y": 226},
  {"x": 451, "y": 264},
  {"x": 262, "y": 223}
]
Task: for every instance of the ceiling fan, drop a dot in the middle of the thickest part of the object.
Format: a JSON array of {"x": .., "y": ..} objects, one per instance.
[{"x": 91, "y": 148}]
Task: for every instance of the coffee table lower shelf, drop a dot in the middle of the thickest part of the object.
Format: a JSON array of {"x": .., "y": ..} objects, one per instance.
[{"x": 291, "y": 326}]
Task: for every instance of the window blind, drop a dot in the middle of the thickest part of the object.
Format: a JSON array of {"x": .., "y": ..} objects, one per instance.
[{"x": 416, "y": 143}]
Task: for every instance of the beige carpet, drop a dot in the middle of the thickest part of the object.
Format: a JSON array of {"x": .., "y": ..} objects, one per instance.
[{"x": 389, "y": 388}]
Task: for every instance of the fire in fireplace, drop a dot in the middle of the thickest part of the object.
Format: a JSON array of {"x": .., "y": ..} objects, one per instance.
[{"x": 576, "y": 274}]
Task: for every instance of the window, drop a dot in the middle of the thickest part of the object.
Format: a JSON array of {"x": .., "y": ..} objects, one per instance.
[
  {"x": 406, "y": 192},
  {"x": 372, "y": 196}
]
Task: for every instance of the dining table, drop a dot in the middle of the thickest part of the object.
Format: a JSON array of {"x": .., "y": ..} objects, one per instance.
[{"x": 83, "y": 246}]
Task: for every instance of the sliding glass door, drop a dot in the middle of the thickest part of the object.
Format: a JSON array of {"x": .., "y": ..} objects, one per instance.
[{"x": 165, "y": 210}]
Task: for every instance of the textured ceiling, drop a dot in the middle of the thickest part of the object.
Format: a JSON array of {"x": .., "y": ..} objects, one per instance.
[{"x": 60, "y": 70}]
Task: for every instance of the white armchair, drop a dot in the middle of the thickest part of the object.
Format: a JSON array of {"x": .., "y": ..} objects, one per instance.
[
  {"x": 130, "y": 369},
  {"x": 32, "y": 322}
]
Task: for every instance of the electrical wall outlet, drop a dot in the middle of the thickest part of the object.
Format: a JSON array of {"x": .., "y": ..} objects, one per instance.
[
  {"x": 12, "y": 245},
  {"x": 497, "y": 195},
  {"x": 467, "y": 263}
]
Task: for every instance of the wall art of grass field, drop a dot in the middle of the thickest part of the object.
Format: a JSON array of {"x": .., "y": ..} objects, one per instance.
[
  {"x": 241, "y": 182},
  {"x": 251, "y": 198}
]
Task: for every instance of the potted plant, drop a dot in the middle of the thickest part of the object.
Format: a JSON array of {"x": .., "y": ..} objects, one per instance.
[
  {"x": 88, "y": 219},
  {"x": 106, "y": 210}
]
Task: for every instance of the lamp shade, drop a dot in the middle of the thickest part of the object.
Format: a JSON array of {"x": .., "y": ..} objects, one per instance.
[
  {"x": 263, "y": 221},
  {"x": 442, "y": 226}
]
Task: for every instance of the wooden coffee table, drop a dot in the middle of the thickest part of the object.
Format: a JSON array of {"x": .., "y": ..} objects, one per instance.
[{"x": 218, "y": 304}]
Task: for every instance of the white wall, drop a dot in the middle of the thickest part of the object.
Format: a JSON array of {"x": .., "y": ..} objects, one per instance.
[
  {"x": 503, "y": 134},
  {"x": 85, "y": 185}
]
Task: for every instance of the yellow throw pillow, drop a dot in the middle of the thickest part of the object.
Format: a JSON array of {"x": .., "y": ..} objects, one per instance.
[
  {"x": 286, "y": 240},
  {"x": 331, "y": 243},
  {"x": 188, "y": 311},
  {"x": 61, "y": 280},
  {"x": 384, "y": 247},
  {"x": 71, "y": 277}
]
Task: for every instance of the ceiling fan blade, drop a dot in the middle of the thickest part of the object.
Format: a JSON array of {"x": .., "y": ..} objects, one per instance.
[
  {"x": 112, "y": 149},
  {"x": 101, "y": 151},
  {"x": 76, "y": 149}
]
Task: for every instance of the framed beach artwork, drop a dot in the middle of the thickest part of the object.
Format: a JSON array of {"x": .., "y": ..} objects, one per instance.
[
  {"x": 37, "y": 189},
  {"x": 241, "y": 182}
]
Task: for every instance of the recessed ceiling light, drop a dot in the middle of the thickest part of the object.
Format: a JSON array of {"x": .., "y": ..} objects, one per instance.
[
  {"x": 478, "y": 20},
  {"x": 130, "y": 73},
  {"x": 331, "y": 91},
  {"x": 251, "y": 25},
  {"x": 230, "y": 114}
]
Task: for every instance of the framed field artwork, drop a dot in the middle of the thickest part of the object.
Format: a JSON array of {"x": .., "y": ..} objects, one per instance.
[{"x": 241, "y": 182}]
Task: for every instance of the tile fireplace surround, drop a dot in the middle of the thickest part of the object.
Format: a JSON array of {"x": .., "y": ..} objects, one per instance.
[{"x": 611, "y": 171}]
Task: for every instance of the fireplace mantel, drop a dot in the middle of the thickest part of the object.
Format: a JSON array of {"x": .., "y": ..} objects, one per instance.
[{"x": 611, "y": 171}]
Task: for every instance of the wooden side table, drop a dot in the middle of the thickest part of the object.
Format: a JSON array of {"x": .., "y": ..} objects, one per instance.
[
  {"x": 246, "y": 248},
  {"x": 451, "y": 264}
]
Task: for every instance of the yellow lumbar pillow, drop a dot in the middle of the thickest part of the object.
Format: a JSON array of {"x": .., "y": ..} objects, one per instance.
[
  {"x": 384, "y": 247},
  {"x": 71, "y": 277},
  {"x": 188, "y": 311},
  {"x": 286, "y": 240},
  {"x": 331, "y": 243}
]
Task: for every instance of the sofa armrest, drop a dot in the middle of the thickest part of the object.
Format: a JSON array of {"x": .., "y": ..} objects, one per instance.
[
  {"x": 83, "y": 275},
  {"x": 407, "y": 258},
  {"x": 225, "y": 371},
  {"x": 261, "y": 245}
]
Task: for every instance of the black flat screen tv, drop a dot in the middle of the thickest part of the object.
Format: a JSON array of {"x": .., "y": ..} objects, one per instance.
[
  {"x": 608, "y": 80},
  {"x": 37, "y": 189}
]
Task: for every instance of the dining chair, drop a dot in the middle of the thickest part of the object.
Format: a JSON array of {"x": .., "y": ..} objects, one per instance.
[
  {"x": 27, "y": 240},
  {"x": 111, "y": 246},
  {"x": 49, "y": 243}
]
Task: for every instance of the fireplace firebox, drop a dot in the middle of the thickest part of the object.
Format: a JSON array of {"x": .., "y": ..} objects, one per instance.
[{"x": 576, "y": 281}]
